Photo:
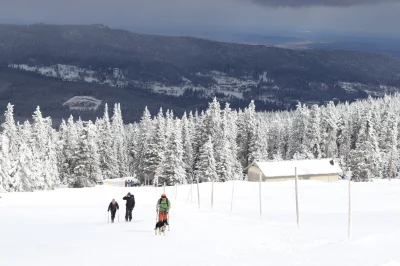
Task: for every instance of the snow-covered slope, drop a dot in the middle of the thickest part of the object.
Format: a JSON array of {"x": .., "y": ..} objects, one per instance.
[
  {"x": 73, "y": 73},
  {"x": 223, "y": 84},
  {"x": 69, "y": 226},
  {"x": 193, "y": 68},
  {"x": 219, "y": 83}
]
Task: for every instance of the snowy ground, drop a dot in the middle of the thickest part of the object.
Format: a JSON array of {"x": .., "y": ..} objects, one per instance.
[{"x": 69, "y": 226}]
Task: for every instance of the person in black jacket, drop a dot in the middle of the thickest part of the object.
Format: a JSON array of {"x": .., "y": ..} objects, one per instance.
[
  {"x": 113, "y": 207},
  {"x": 130, "y": 204}
]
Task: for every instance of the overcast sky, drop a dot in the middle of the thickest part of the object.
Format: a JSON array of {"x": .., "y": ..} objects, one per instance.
[{"x": 364, "y": 16}]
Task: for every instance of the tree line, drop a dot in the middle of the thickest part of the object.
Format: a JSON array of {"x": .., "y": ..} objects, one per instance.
[{"x": 215, "y": 144}]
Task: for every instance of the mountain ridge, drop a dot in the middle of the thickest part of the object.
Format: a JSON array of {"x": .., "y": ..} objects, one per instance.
[{"x": 196, "y": 67}]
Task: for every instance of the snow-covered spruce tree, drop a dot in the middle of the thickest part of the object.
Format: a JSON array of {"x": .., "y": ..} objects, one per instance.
[
  {"x": 10, "y": 146},
  {"x": 228, "y": 167},
  {"x": 230, "y": 118},
  {"x": 242, "y": 138},
  {"x": 206, "y": 166},
  {"x": 119, "y": 142},
  {"x": 5, "y": 164},
  {"x": 26, "y": 160},
  {"x": 298, "y": 147},
  {"x": 70, "y": 138},
  {"x": 312, "y": 140},
  {"x": 132, "y": 137},
  {"x": 159, "y": 145},
  {"x": 224, "y": 166},
  {"x": 196, "y": 136},
  {"x": 214, "y": 124},
  {"x": 251, "y": 130},
  {"x": 232, "y": 138},
  {"x": 210, "y": 127},
  {"x": 61, "y": 152},
  {"x": 39, "y": 141},
  {"x": 258, "y": 146},
  {"x": 356, "y": 123},
  {"x": 247, "y": 133},
  {"x": 192, "y": 132},
  {"x": 285, "y": 129},
  {"x": 329, "y": 126},
  {"x": 145, "y": 149},
  {"x": 344, "y": 137},
  {"x": 108, "y": 158},
  {"x": 389, "y": 148},
  {"x": 83, "y": 175},
  {"x": 366, "y": 157},
  {"x": 44, "y": 150},
  {"x": 172, "y": 167},
  {"x": 191, "y": 122},
  {"x": 278, "y": 136},
  {"x": 95, "y": 173},
  {"x": 51, "y": 156},
  {"x": 187, "y": 147},
  {"x": 169, "y": 123},
  {"x": 155, "y": 149}
]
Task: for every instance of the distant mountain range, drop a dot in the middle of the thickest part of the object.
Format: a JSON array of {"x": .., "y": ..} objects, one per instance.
[
  {"x": 306, "y": 39},
  {"x": 49, "y": 65}
]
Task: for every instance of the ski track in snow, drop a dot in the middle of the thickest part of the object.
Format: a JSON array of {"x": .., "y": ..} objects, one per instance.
[{"x": 69, "y": 227}]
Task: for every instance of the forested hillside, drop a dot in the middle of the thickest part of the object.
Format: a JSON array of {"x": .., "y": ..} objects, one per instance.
[{"x": 212, "y": 145}]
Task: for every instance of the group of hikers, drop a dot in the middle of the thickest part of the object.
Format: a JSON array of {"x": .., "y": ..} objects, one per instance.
[
  {"x": 162, "y": 208},
  {"x": 130, "y": 183}
]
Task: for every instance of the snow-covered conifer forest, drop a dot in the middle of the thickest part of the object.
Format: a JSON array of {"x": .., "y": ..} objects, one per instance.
[{"x": 212, "y": 145}]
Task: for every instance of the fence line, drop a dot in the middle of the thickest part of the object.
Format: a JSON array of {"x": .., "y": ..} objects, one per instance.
[{"x": 297, "y": 203}]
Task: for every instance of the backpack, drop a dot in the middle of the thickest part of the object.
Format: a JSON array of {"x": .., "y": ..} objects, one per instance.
[{"x": 159, "y": 201}]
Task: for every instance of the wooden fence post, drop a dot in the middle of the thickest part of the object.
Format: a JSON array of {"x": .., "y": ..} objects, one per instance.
[
  {"x": 349, "y": 222},
  {"x": 297, "y": 197},
  {"x": 212, "y": 194},
  {"x": 198, "y": 192},
  {"x": 260, "y": 195},
  {"x": 233, "y": 187}
]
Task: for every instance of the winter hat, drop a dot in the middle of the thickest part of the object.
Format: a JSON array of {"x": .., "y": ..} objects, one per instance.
[
  {"x": 129, "y": 193},
  {"x": 163, "y": 195}
]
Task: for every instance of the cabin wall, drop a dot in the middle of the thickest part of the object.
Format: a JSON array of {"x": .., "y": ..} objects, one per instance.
[
  {"x": 253, "y": 175},
  {"x": 326, "y": 178}
]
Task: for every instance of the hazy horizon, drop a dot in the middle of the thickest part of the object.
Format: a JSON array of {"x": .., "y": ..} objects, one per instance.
[{"x": 363, "y": 17}]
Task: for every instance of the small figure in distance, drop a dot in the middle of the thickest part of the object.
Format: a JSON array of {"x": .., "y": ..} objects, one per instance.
[
  {"x": 113, "y": 207},
  {"x": 130, "y": 204}
]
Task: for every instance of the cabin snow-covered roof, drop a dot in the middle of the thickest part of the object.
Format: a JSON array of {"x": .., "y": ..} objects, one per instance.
[{"x": 304, "y": 167}]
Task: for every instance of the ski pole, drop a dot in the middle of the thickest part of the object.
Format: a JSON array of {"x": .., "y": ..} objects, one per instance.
[{"x": 168, "y": 220}]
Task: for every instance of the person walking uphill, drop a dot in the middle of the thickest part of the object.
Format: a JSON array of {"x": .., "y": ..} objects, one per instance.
[
  {"x": 130, "y": 204},
  {"x": 163, "y": 206},
  {"x": 113, "y": 207}
]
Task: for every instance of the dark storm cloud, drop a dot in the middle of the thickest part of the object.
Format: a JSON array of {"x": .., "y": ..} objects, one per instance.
[{"x": 331, "y": 3}]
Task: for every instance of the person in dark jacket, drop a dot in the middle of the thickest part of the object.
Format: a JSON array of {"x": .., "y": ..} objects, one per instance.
[
  {"x": 130, "y": 204},
  {"x": 113, "y": 207}
]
